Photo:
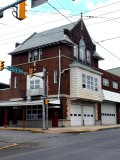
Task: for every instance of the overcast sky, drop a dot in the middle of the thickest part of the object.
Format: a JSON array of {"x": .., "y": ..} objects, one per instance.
[{"x": 101, "y": 18}]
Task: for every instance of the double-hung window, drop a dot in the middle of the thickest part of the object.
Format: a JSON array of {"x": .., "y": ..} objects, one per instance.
[
  {"x": 35, "y": 84},
  {"x": 88, "y": 58},
  {"x": 55, "y": 76},
  {"x": 105, "y": 82},
  {"x": 115, "y": 85},
  {"x": 89, "y": 82},
  {"x": 82, "y": 51},
  {"x": 35, "y": 55}
]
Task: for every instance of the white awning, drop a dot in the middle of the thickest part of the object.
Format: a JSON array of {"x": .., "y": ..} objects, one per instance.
[
  {"x": 53, "y": 103},
  {"x": 111, "y": 96}
]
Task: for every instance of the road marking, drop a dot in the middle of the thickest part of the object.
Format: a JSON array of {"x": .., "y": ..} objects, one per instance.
[{"x": 11, "y": 145}]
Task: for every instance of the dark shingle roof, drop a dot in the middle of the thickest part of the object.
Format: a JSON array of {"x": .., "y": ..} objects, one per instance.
[{"x": 44, "y": 38}]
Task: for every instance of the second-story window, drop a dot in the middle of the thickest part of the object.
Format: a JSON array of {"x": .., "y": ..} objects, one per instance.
[
  {"x": 55, "y": 76},
  {"x": 35, "y": 55},
  {"x": 105, "y": 82},
  {"x": 89, "y": 82},
  {"x": 15, "y": 82},
  {"x": 115, "y": 85},
  {"x": 35, "y": 84},
  {"x": 82, "y": 51}
]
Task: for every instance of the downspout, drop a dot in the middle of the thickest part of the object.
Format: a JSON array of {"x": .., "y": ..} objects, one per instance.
[{"x": 59, "y": 72}]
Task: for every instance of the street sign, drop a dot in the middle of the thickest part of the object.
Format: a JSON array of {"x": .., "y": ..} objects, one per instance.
[
  {"x": 14, "y": 69},
  {"x": 35, "y": 3}
]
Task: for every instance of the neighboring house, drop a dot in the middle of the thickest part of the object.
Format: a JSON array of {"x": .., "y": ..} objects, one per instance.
[{"x": 80, "y": 93}]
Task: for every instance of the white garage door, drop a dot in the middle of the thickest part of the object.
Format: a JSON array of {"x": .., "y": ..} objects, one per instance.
[
  {"x": 75, "y": 115},
  {"x": 88, "y": 115},
  {"x": 108, "y": 113}
]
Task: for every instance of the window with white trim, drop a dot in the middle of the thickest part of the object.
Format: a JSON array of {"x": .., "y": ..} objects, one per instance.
[
  {"x": 34, "y": 113},
  {"x": 115, "y": 85},
  {"x": 55, "y": 76},
  {"x": 35, "y": 55},
  {"x": 105, "y": 82},
  {"x": 89, "y": 82},
  {"x": 88, "y": 58},
  {"x": 35, "y": 84},
  {"x": 82, "y": 51},
  {"x": 75, "y": 51},
  {"x": 15, "y": 82}
]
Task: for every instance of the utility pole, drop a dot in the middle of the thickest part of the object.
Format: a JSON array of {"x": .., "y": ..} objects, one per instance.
[{"x": 43, "y": 106}]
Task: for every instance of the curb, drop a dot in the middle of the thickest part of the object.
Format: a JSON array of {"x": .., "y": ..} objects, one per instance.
[{"x": 11, "y": 145}]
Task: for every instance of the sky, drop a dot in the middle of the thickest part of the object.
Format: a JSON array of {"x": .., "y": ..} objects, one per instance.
[{"x": 101, "y": 18}]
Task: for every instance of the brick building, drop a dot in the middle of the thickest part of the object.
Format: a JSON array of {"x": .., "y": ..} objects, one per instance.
[{"x": 80, "y": 93}]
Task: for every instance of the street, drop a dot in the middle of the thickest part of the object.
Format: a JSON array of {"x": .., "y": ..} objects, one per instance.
[{"x": 101, "y": 145}]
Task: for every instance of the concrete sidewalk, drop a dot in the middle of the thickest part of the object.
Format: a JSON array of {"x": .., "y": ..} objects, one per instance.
[{"x": 76, "y": 129}]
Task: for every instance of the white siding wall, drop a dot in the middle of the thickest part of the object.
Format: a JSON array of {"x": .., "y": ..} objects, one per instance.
[
  {"x": 35, "y": 91},
  {"x": 76, "y": 90}
]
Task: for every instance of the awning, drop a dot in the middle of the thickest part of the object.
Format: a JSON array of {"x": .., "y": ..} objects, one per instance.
[
  {"x": 53, "y": 103},
  {"x": 111, "y": 96}
]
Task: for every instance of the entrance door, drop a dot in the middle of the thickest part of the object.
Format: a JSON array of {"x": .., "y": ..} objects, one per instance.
[
  {"x": 1, "y": 117},
  {"x": 15, "y": 116}
]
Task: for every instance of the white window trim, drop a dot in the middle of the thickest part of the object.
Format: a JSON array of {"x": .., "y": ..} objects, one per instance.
[
  {"x": 115, "y": 85},
  {"x": 105, "y": 82},
  {"x": 15, "y": 82},
  {"x": 55, "y": 76},
  {"x": 33, "y": 86},
  {"x": 89, "y": 82}
]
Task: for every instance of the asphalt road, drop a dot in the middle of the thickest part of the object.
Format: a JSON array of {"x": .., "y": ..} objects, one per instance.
[{"x": 102, "y": 145}]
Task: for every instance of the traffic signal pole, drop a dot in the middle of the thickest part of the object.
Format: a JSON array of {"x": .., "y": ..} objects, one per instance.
[
  {"x": 43, "y": 106},
  {"x": 9, "y": 6}
]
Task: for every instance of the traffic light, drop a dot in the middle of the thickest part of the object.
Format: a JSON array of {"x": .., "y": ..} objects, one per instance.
[
  {"x": 1, "y": 65},
  {"x": 31, "y": 72},
  {"x": 22, "y": 11},
  {"x": 46, "y": 101}
]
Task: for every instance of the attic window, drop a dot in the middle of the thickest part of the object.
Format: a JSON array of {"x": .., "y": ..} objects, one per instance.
[
  {"x": 35, "y": 55},
  {"x": 82, "y": 51}
]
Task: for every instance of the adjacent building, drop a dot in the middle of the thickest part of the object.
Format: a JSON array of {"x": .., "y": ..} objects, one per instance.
[{"x": 79, "y": 92}]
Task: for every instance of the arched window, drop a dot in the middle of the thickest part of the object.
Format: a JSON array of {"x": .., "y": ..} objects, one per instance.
[{"x": 82, "y": 51}]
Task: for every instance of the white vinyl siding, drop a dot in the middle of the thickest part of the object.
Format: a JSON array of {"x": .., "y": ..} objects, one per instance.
[
  {"x": 79, "y": 84},
  {"x": 35, "y": 85}
]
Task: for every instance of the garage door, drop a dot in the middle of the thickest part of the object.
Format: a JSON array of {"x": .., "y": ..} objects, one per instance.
[
  {"x": 108, "y": 113},
  {"x": 88, "y": 115},
  {"x": 75, "y": 115}
]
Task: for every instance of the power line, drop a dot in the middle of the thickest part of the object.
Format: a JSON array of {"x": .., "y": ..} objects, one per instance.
[{"x": 106, "y": 50}]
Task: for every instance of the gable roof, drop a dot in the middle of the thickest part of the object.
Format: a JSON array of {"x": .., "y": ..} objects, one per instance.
[{"x": 37, "y": 40}]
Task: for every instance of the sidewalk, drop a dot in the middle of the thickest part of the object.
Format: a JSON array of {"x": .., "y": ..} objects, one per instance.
[{"x": 76, "y": 129}]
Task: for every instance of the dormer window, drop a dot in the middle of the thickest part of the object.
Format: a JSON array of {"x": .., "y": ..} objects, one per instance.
[
  {"x": 35, "y": 55},
  {"x": 82, "y": 51},
  {"x": 88, "y": 58}
]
